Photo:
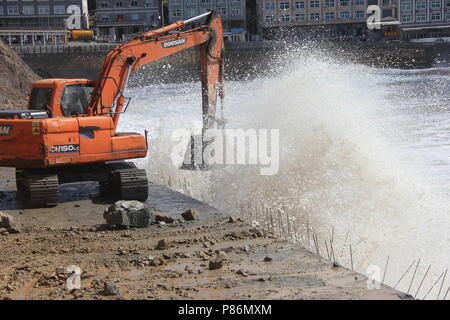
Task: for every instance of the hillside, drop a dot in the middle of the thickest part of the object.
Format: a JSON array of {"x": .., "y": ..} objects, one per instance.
[{"x": 16, "y": 79}]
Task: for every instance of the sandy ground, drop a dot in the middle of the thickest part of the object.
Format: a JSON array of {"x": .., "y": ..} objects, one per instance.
[{"x": 255, "y": 265}]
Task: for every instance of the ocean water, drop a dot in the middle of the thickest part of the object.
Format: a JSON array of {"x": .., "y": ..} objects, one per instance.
[{"x": 363, "y": 160}]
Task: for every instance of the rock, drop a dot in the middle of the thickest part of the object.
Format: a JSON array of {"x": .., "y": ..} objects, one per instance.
[
  {"x": 155, "y": 261},
  {"x": 215, "y": 264},
  {"x": 242, "y": 273},
  {"x": 190, "y": 214},
  {"x": 7, "y": 223},
  {"x": 129, "y": 214},
  {"x": 163, "y": 217},
  {"x": 221, "y": 255},
  {"x": 231, "y": 220},
  {"x": 267, "y": 259},
  {"x": 109, "y": 289},
  {"x": 162, "y": 245}
]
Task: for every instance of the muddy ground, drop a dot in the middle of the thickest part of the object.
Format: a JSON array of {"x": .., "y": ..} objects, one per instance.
[{"x": 256, "y": 265}]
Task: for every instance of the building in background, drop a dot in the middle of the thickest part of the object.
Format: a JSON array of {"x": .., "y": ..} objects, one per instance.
[
  {"x": 31, "y": 22},
  {"x": 425, "y": 20},
  {"x": 233, "y": 13},
  {"x": 118, "y": 20},
  {"x": 324, "y": 19}
]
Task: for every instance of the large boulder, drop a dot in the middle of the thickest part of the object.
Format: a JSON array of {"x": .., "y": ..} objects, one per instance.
[{"x": 129, "y": 214}]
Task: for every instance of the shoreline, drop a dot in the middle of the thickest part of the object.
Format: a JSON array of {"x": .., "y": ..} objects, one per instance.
[{"x": 256, "y": 264}]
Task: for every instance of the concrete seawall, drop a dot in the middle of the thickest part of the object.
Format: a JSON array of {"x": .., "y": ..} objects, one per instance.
[{"x": 243, "y": 60}]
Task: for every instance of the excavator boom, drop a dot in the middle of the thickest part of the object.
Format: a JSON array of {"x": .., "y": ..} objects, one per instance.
[{"x": 108, "y": 97}]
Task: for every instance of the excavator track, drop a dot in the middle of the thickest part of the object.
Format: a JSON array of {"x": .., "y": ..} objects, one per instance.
[
  {"x": 37, "y": 189},
  {"x": 127, "y": 182}
]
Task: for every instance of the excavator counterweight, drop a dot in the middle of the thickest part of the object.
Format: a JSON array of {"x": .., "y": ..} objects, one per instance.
[{"x": 69, "y": 131}]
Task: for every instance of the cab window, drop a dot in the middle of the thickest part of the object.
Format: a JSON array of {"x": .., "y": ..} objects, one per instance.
[
  {"x": 75, "y": 99},
  {"x": 40, "y": 98}
]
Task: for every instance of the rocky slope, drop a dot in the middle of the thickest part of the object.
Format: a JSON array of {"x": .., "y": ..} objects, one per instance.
[{"x": 15, "y": 81}]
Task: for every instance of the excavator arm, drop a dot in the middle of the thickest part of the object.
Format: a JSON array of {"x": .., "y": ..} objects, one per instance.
[{"x": 121, "y": 62}]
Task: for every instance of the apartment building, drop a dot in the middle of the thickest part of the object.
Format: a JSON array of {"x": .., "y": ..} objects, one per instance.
[
  {"x": 330, "y": 19},
  {"x": 29, "y": 22},
  {"x": 233, "y": 13},
  {"x": 118, "y": 20},
  {"x": 422, "y": 20}
]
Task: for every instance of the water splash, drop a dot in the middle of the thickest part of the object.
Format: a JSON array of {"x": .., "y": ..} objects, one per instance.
[{"x": 338, "y": 168}]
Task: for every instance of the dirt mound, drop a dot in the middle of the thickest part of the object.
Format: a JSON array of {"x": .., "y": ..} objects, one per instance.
[{"x": 15, "y": 81}]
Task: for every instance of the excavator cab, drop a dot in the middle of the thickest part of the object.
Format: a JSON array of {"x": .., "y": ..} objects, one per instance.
[{"x": 61, "y": 97}]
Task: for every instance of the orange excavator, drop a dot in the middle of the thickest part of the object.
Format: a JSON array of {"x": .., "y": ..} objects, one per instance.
[{"x": 69, "y": 131}]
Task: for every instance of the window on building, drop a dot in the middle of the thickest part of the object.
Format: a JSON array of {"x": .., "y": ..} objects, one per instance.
[
  {"x": 119, "y": 4},
  {"x": 421, "y": 17},
  {"x": 135, "y": 16},
  {"x": 406, "y": 5},
  {"x": 360, "y": 14},
  {"x": 120, "y": 18},
  {"x": 235, "y": 11},
  {"x": 205, "y": 2},
  {"x": 285, "y": 18},
  {"x": 435, "y": 4},
  {"x": 270, "y": 6},
  {"x": 59, "y": 9},
  {"x": 221, "y": 11},
  {"x": 385, "y": 3},
  {"x": 13, "y": 10},
  {"x": 448, "y": 3},
  {"x": 386, "y": 13},
  {"x": 270, "y": 19},
  {"x": 435, "y": 16},
  {"x": 134, "y": 3},
  {"x": 284, "y": 5},
  {"x": 299, "y": 4},
  {"x": 329, "y": 3},
  {"x": 329, "y": 15},
  {"x": 300, "y": 17},
  {"x": 314, "y": 16},
  {"x": 344, "y": 3},
  {"x": 1, "y": 13},
  {"x": 345, "y": 15},
  {"x": 176, "y": 13},
  {"x": 447, "y": 16},
  {"x": 28, "y": 10},
  {"x": 314, "y": 4},
  {"x": 44, "y": 10},
  {"x": 406, "y": 17},
  {"x": 421, "y": 5},
  {"x": 103, "y": 4},
  {"x": 359, "y": 2},
  {"x": 104, "y": 18}
]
